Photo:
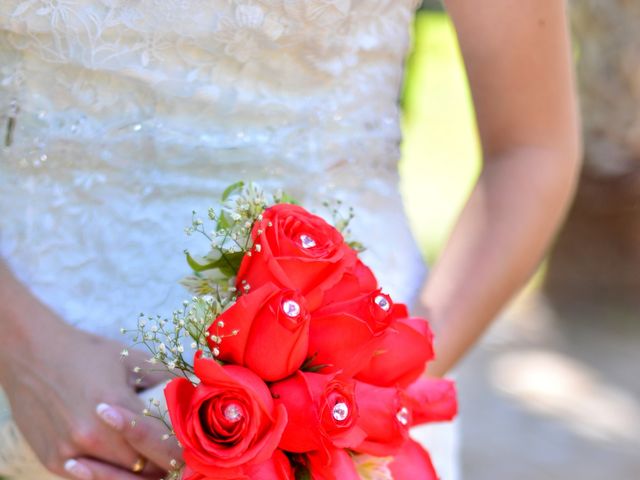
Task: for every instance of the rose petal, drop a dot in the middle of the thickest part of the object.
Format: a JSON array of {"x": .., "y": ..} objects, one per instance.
[
  {"x": 276, "y": 468},
  {"x": 379, "y": 407},
  {"x": 302, "y": 433},
  {"x": 401, "y": 358},
  {"x": 339, "y": 466},
  {"x": 239, "y": 318},
  {"x": 412, "y": 463},
  {"x": 356, "y": 281},
  {"x": 432, "y": 400},
  {"x": 341, "y": 342}
]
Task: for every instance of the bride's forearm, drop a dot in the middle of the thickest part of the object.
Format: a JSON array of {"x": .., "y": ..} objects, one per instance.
[
  {"x": 496, "y": 245},
  {"x": 23, "y": 318}
]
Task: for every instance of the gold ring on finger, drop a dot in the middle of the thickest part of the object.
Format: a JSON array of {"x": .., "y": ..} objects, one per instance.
[{"x": 139, "y": 465}]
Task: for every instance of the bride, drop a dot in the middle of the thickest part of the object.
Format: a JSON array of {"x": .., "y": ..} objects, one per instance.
[{"x": 118, "y": 117}]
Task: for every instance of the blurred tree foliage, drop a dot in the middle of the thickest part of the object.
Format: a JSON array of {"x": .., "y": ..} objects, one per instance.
[{"x": 597, "y": 256}]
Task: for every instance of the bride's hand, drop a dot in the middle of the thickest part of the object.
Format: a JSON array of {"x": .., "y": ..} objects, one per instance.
[
  {"x": 143, "y": 433},
  {"x": 54, "y": 376}
]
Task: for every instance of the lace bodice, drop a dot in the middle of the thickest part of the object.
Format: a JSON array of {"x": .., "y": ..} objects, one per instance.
[
  {"x": 120, "y": 117},
  {"x": 222, "y": 74}
]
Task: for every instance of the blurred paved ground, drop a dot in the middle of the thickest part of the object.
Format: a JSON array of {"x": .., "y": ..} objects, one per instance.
[{"x": 546, "y": 397}]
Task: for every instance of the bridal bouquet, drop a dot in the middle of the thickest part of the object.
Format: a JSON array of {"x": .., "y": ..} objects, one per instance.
[{"x": 303, "y": 368}]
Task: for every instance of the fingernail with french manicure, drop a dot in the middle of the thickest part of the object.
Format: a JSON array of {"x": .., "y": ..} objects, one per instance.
[
  {"x": 110, "y": 416},
  {"x": 78, "y": 470}
]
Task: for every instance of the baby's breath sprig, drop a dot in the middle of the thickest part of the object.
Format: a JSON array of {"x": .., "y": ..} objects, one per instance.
[
  {"x": 229, "y": 239},
  {"x": 166, "y": 339},
  {"x": 158, "y": 410},
  {"x": 342, "y": 221}
]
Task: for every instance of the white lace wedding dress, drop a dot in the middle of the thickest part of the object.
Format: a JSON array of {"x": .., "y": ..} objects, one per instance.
[{"x": 120, "y": 117}]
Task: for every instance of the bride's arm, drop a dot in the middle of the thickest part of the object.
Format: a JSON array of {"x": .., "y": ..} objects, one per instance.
[{"x": 518, "y": 59}]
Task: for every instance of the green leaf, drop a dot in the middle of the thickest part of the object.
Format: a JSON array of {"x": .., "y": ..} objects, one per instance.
[
  {"x": 317, "y": 368},
  {"x": 308, "y": 367},
  {"x": 303, "y": 474},
  {"x": 357, "y": 246},
  {"x": 286, "y": 198},
  {"x": 231, "y": 189},
  {"x": 224, "y": 221},
  {"x": 228, "y": 263},
  {"x": 198, "y": 267}
]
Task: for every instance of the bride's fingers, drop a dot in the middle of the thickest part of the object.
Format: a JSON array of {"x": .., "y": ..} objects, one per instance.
[
  {"x": 88, "y": 469},
  {"x": 146, "y": 435}
]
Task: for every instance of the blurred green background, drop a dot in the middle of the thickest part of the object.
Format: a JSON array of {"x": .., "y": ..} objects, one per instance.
[{"x": 440, "y": 154}]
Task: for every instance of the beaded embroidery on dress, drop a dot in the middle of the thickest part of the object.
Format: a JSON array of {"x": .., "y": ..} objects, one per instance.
[{"x": 118, "y": 117}]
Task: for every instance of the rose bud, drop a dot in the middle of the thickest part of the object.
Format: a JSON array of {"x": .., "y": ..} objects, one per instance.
[
  {"x": 345, "y": 335},
  {"x": 322, "y": 412},
  {"x": 225, "y": 424},
  {"x": 432, "y": 400},
  {"x": 385, "y": 416},
  {"x": 296, "y": 250},
  {"x": 402, "y": 355},
  {"x": 266, "y": 330},
  {"x": 412, "y": 462}
]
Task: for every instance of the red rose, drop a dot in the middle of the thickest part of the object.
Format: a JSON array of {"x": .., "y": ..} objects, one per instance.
[
  {"x": 432, "y": 400},
  {"x": 401, "y": 356},
  {"x": 412, "y": 463},
  {"x": 272, "y": 326},
  {"x": 357, "y": 280},
  {"x": 344, "y": 335},
  {"x": 296, "y": 250},
  {"x": 227, "y": 422},
  {"x": 337, "y": 466},
  {"x": 322, "y": 412},
  {"x": 385, "y": 416},
  {"x": 276, "y": 468},
  {"x": 387, "y": 413}
]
